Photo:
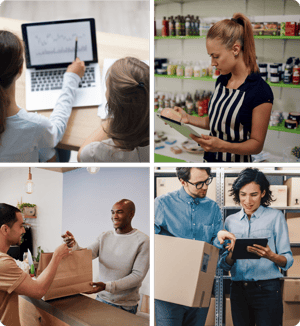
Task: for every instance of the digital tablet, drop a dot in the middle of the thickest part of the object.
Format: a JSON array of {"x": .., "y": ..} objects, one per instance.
[
  {"x": 240, "y": 248},
  {"x": 181, "y": 127}
]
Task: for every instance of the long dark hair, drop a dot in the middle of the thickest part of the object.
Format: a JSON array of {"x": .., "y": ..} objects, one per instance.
[
  {"x": 128, "y": 103},
  {"x": 252, "y": 175},
  {"x": 11, "y": 61},
  {"x": 239, "y": 28}
]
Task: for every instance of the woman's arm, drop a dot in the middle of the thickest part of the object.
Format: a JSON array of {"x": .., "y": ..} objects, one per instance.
[
  {"x": 266, "y": 252},
  {"x": 98, "y": 135},
  {"x": 260, "y": 121},
  {"x": 192, "y": 120}
]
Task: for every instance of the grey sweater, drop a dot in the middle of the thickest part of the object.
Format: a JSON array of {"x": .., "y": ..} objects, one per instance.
[{"x": 123, "y": 264}]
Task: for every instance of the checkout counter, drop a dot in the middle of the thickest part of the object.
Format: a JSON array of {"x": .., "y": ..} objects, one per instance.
[
  {"x": 84, "y": 120},
  {"x": 76, "y": 310}
]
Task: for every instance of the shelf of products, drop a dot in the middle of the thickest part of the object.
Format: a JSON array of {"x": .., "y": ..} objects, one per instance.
[
  {"x": 261, "y": 37},
  {"x": 208, "y": 78}
]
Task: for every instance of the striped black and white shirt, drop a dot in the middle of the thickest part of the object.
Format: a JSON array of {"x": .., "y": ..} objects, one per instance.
[{"x": 230, "y": 113}]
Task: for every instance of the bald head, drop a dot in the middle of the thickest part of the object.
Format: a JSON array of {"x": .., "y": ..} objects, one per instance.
[
  {"x": 121, "y": 214},
  {"x": 127, "y": 204}
]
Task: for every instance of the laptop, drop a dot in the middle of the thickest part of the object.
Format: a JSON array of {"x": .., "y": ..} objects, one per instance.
[{"x": 49, "y": 49}]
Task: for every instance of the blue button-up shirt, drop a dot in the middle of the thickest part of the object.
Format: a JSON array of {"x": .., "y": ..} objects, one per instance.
[
  {"x": 180, "y": 215},
  {"x": 265, "y": 222}
]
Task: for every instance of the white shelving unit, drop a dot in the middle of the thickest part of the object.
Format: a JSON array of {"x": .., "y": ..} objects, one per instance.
[
  {"x": 286, "y": 99},
  {"x": 274, "y": 177}
]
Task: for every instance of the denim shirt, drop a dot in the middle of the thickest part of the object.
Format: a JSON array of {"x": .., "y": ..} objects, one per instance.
[
  {"x": 180, "y": 215},
  {"x": 265, "y": 222}
]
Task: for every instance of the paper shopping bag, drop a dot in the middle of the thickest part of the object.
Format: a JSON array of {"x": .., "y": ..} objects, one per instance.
[{"x": 73, "y": 276}]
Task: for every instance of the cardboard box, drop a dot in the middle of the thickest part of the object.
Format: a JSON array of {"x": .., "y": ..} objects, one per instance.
[
  {"x": 280, "y": 194},
  {"x": 184, "y": 270},
  {"x": 168, "y": 184},
  {"x": 291, "y": 28},
  {"x": 294, "y": 271},
  {"x": 228, "y": 317},
  {"x": 293, "y": 191},
  {"x": 211, "y": 316},
  {"x": 293, "y": 222},
  {"x": 294, "y": 168},
  {"x": 291, "y": 302},
  {"x": 258, "y": 28},
  {"x": 228, "y": 200},
  {"x": 271, "y": 28}
]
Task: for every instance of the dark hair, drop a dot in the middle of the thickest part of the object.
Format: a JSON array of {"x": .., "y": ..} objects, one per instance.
[
  {"x": 185, "y": 173},
  {"x": 8, "y": 214},
  {"x": 252, "y": 175},
  {"x": 239, "y": 28},
  {"x": 11, "y": 61},
  {"x": 128, "y": 103}
]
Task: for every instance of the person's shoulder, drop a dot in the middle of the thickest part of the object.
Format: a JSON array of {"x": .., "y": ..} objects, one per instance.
[
  {"x": 6, "y": 262},
  {"x": 173, "y": 195},
  {"x": 275, "y": 213},
  {"x": 233, "y": 217},
  {"x": 142, "y": 235},
  {"x": 28, "y": 117}
]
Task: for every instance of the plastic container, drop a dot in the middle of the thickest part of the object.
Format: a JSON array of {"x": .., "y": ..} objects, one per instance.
[
  {"x": 274, "y": 78},
  {"x": 274, "y": 69},
  {"x": 263, "y": 67}
]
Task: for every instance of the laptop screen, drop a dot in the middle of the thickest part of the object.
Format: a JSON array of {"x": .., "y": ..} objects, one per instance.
[{"x": 52, "y": 44}]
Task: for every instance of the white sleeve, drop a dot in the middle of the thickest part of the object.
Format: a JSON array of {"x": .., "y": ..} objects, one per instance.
[{"x": 53, "y": 129}]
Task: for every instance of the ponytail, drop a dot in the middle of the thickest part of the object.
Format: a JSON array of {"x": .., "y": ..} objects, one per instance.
[
  {"x": 239, "y": 28},
  {"x": 11, "y": 58}
]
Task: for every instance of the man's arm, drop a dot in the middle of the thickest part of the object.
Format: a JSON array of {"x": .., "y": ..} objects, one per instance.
[
  {"x": 134, "y": 279},
  {"x": 72, "y": 243},
  {"x": 38, "y": 288}
]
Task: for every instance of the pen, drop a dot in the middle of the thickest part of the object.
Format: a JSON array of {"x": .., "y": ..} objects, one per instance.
[{"x": 76, "y": 48}]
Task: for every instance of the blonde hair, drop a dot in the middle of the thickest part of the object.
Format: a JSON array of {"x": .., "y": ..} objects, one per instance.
[
  {"x": 239, "y": 28},
  {"x": 128, "y": 103}
]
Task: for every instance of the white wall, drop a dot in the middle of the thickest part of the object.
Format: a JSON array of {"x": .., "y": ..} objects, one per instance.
[
  {"x": 272, "y": 51},
  {"x": 77, "y": 201},
  {"x": 123, "y": 17},
  {"x": 47, "y": 195},
  {"x": 88, "y": 199}
]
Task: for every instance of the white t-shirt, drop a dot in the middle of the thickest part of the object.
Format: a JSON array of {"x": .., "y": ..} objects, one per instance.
[
  {"x": 31, "y": 137},
  {"x": 105, "y": 151}
]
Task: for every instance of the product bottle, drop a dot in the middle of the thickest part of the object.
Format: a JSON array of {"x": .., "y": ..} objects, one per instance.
[
  {"x": 172, "y": 26},
  {"x": 197, "y": 26},
  {"x": 183, "y": 32},
  {"x": 296, "y": 73},
  {"x": 188, "y": 29},
  {"x": 165, "y": 28},
  {"x": 288, "y": 71},
  {"x": 177, "y": 26},
  {"x": 192, "y": 25}
]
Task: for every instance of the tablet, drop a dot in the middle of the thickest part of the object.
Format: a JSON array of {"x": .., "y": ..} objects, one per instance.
[
  {"x": 240, "y": 248},
  {"x": 181, "y": 127}
]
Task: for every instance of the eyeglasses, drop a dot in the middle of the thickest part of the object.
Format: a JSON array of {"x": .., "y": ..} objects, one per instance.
[{"x": 199, "y": 185}]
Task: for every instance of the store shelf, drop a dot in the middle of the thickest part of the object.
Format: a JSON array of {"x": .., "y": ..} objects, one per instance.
[
  {"x": 207, "y": 78},
  {"x": 281, "y": 127},
  {"x": 259, "y": 37},
  {"x": 178, "y": 37}
]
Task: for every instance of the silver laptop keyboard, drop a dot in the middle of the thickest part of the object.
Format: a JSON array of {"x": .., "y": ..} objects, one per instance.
[{"x": 52, "y": 79}]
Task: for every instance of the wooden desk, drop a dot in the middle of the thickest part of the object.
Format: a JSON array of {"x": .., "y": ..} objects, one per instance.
[
  {"x": 78, "y": 310},
  {"x": 83, "y": 121}
]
